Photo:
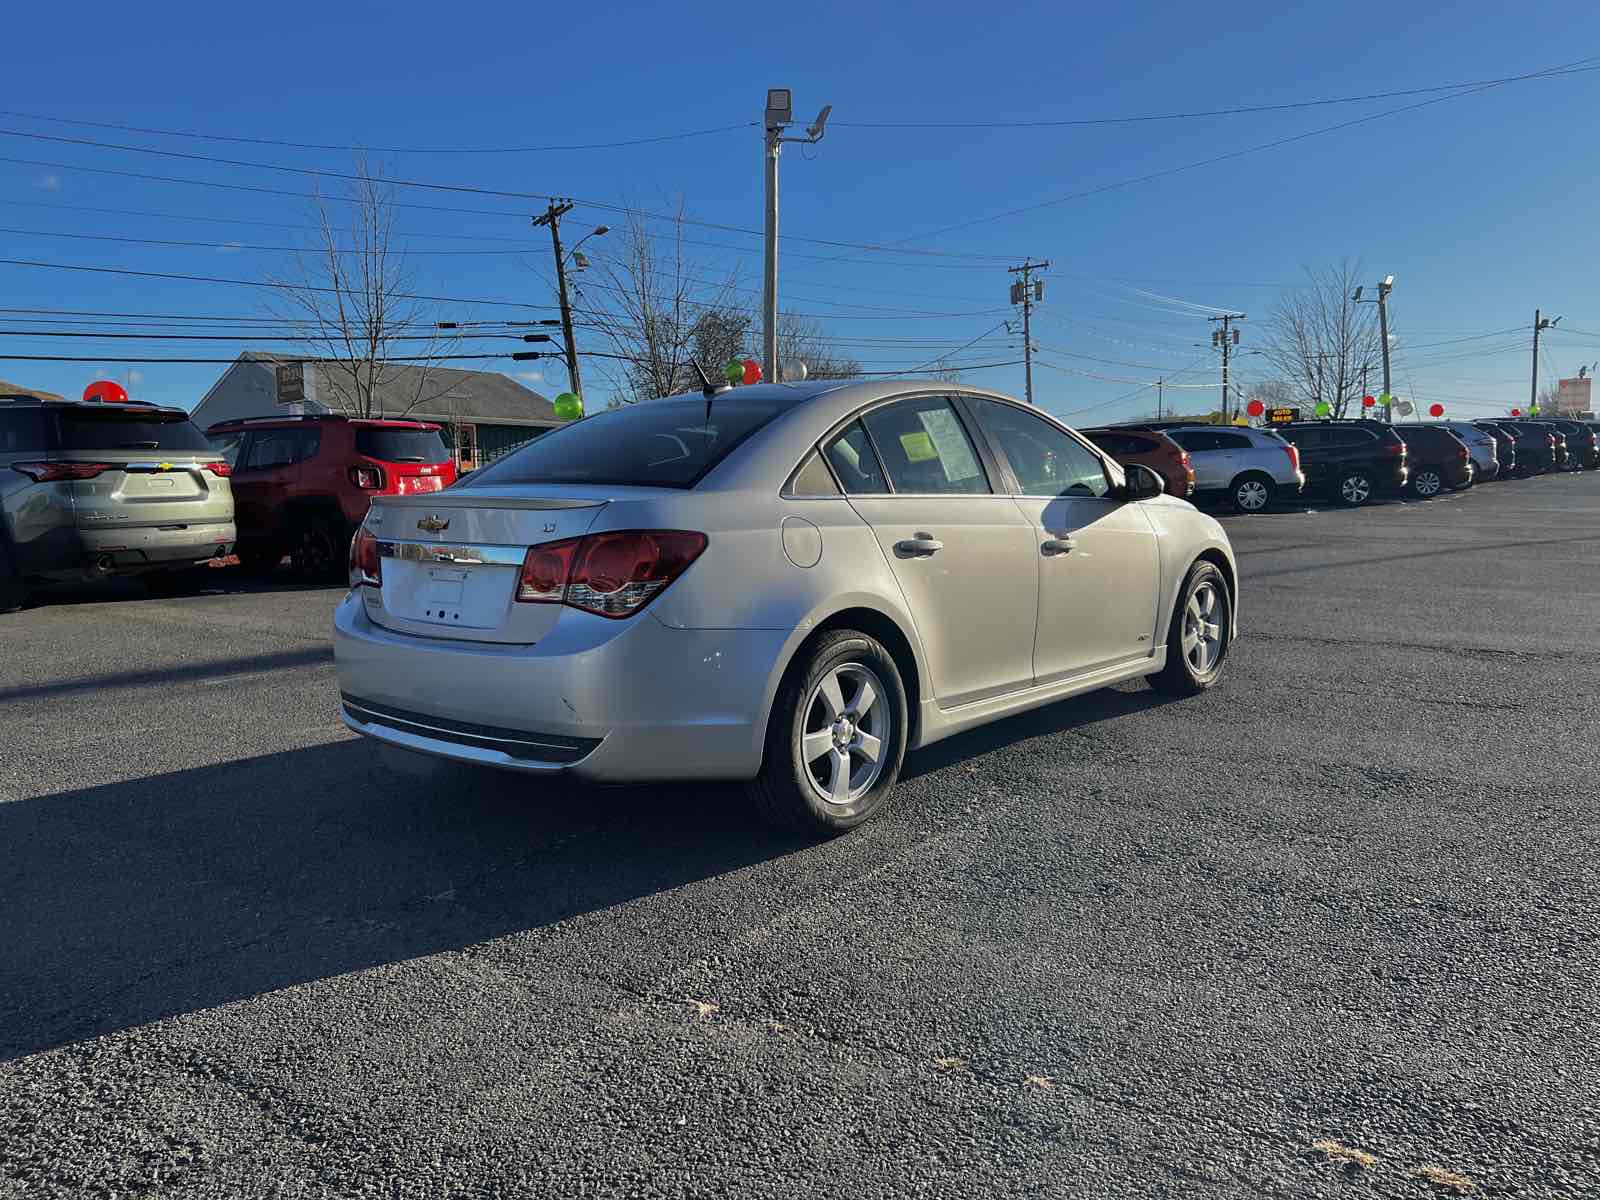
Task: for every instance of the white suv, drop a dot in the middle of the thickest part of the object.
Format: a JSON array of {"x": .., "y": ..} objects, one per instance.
[{"x": 1250, "y": 467}]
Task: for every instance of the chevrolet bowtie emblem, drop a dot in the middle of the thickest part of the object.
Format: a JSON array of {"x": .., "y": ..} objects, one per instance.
[
  {"x": 433, "y": 524},
  {"x": 163, "y": 466}
]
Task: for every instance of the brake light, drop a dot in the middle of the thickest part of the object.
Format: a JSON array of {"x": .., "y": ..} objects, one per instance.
[
  {"x": 55, "y": 472},
  {"x": 1294, "y": 455},
  {"x": 368, "y": 478},
  {"x": 220, "y": 469},
  {"x": 1395, "y": 447},
  {"x": 366, "y": 568},
  {"x": 1465, "y": 454},
  {"x": 613, "y": 574}
]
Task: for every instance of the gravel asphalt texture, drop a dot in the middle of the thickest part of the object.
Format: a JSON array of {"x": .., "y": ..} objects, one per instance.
[{"x": 1116, "y": 947}]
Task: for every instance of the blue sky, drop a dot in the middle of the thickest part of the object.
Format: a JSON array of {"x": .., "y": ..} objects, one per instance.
[{"x": 1481, "y": 205}]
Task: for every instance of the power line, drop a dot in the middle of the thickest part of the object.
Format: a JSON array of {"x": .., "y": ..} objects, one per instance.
[
  {"x": 359, "y": 149},
  {"x": 1240, "y": 110},
  {"x": 1232, "y": 154},
  {"x": 455, "y": 189}
]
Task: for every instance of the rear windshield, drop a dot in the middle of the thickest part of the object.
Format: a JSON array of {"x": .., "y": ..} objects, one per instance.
[
  {"x": 111, "y": 429},
  {"x": 658, "y": 443},
  {"x": 401, "y": 445}
]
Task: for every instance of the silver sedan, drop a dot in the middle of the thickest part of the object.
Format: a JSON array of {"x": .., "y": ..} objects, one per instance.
[{"x": 789, "y": 585}]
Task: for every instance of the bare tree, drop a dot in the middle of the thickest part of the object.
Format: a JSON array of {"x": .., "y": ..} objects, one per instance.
[
  {"x": 1322, "y": 341},
  {"x": 353, "y": 298},
  {"x": 645, "y": 308},
  {"x": 801, "y": 339}
]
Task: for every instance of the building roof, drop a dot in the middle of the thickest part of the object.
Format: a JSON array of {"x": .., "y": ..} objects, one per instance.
[
  {"x": 448, "y": 395},
  {"x": 16, "y": 389}
]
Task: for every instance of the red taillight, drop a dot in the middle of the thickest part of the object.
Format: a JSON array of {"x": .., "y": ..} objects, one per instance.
[
  {"x": 1294, "y": 456},
  {"x": 1395, "y": 447},
  {"x": 55, "y": 472},
  {"x": 366, "y": 568},
  {"x": 220, "y": 469},
  {"x": 1465, "y": 454},
  {"x": 611, "y": 574},
  {"x": 368, "y": 478}
]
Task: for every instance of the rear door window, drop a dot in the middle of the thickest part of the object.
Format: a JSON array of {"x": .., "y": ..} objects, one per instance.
[
  {"x": 1347, "y": 437},
  {"x": 111, "y": 429},
  {"x": 855, "y": 462},
  {"x": 655, "y": 443},
  {"x": 1232, "y": 441},
  {"x": 272, "y": 448},
  {"x": 924, "y": 448},
  {"x": 397, "y": 445}
]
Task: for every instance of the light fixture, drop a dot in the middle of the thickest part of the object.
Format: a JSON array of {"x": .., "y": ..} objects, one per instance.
[{"x": 780, "y": 107}]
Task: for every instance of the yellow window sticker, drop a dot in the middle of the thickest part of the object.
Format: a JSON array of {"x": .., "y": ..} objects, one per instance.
[{"x": 918, "y": 447}]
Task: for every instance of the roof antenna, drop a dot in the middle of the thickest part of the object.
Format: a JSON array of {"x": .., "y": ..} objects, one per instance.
[{"x": 708, "y": 389}]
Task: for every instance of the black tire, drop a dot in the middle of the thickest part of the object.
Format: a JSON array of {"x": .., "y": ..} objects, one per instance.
[
  {"x": 789, "y": 792},
  {"x": 1354, "y": 489},
  {"x": 259, "y": 559},
  {"x": 320, "y": 549},
  {"x": 1426, "y": 483},
  {"x": 1182, "y": 676},
  {"x": 1251, "y": 492}
]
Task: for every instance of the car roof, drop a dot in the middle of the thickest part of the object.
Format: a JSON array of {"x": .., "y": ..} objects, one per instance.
[{"x": 15, "y": 401}]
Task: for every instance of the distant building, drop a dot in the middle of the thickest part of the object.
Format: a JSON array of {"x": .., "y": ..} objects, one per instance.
[
  {"x": 485, "y": 414},
  {"x": 1572, "y": 400}
]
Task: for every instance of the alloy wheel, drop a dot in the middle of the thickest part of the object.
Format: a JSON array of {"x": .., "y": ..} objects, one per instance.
[
  {"x": 1428, "y": 483},
  {"x": 1355, "y": 489},
  {"x": 1202, "y": 629},
  {"x": 1251, "y": 495},
  {"x": 314, "y": 553},
  {"x": 847, "y": 733}
]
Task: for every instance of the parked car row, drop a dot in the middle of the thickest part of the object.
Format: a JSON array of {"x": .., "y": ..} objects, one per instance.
[
  {"x": 91, "y": 490},
  {"x": 1350, "y": 461}
]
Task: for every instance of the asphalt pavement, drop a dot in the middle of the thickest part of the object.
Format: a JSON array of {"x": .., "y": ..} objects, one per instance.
[{"x": 1328, "y": 930}]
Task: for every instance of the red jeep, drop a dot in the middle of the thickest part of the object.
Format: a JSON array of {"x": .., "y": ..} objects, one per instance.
[{"x": 301, "y": 485}]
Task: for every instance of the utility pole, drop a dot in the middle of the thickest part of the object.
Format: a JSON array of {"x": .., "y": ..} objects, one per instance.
[
  {"x": 1027, "y": 292},
  {"x": 1221, "y": 337},
  {"x": 1161, "y": 385},
  {"x": 1382, "y": 302},
  {"x": 552, "y": 217},
  {"x": 1539, "y": 324},
  {"x": 779, "y": 114}
]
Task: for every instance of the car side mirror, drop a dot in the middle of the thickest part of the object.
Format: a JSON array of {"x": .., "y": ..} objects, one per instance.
[{"x": 1141, "y": 483}]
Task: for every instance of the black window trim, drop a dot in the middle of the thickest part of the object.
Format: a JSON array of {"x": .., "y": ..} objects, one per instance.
[{"x": 787, "y": 492}]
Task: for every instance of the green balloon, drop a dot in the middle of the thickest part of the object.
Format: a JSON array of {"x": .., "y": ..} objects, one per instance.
[
  {"x": 1322, "y": 408},
  {"x": 735, "y": 372},
  {"x": 1386, "y": 399},
  {"x": 1533, "y": 410},
  {"x": 569, "y": 406}
]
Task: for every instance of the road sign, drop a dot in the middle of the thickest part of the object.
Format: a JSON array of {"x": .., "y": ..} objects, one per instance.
[
  {"x": 292, "y": 383},
  {"x": 1282, "y": 416}
]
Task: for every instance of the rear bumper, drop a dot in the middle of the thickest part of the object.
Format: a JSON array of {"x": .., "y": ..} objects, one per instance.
[
  {"x": 88, "y": 553},
  {"x": 612, "y": 702}
]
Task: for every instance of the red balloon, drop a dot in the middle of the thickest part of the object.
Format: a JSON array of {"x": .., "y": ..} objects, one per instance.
[
  {"x": 104, "y": 391},
  {"x": 1516, "y": 412},
  {"x": 1368, "y": 401},
  {"x": 1255, "y": 408},
  {"x": 1436, "y": 410},
  {"x": 752, "y": 371}
]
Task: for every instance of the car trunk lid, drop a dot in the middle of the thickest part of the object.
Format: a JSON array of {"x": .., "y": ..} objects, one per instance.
[{"x": 450, "y": 561}]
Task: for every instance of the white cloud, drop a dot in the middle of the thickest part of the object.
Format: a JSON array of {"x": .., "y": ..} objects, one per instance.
[
  {"x": 531, "y": 376},
  {"x": 50, "y": 182},
  {"x": 135, "y": 377}
]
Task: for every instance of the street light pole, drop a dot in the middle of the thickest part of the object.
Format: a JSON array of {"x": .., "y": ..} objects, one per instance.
[
  {"x": 1539, "y": 324},
  {"x": 779, "y": 114}
]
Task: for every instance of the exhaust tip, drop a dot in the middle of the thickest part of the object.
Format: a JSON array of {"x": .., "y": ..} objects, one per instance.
[{"x": 105, "y": 562}]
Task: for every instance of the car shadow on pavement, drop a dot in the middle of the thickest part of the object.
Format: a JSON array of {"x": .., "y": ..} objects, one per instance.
[
  {"x": 1104, "y": 705},
  {"x": 212, "y": 582},
  {"x": 133, "y": 901}
]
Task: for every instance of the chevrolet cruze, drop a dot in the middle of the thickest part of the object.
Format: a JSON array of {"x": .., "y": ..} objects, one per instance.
[{"x": 789, "y": 585}]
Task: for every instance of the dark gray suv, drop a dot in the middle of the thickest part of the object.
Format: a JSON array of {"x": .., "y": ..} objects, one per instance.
[{"x": 89, "y": 490}]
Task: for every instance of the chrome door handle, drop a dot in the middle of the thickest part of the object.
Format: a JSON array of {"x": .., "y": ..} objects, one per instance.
[
  {"x": 922, "y": 543},
  {"x": 1060, "y": 545}
]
